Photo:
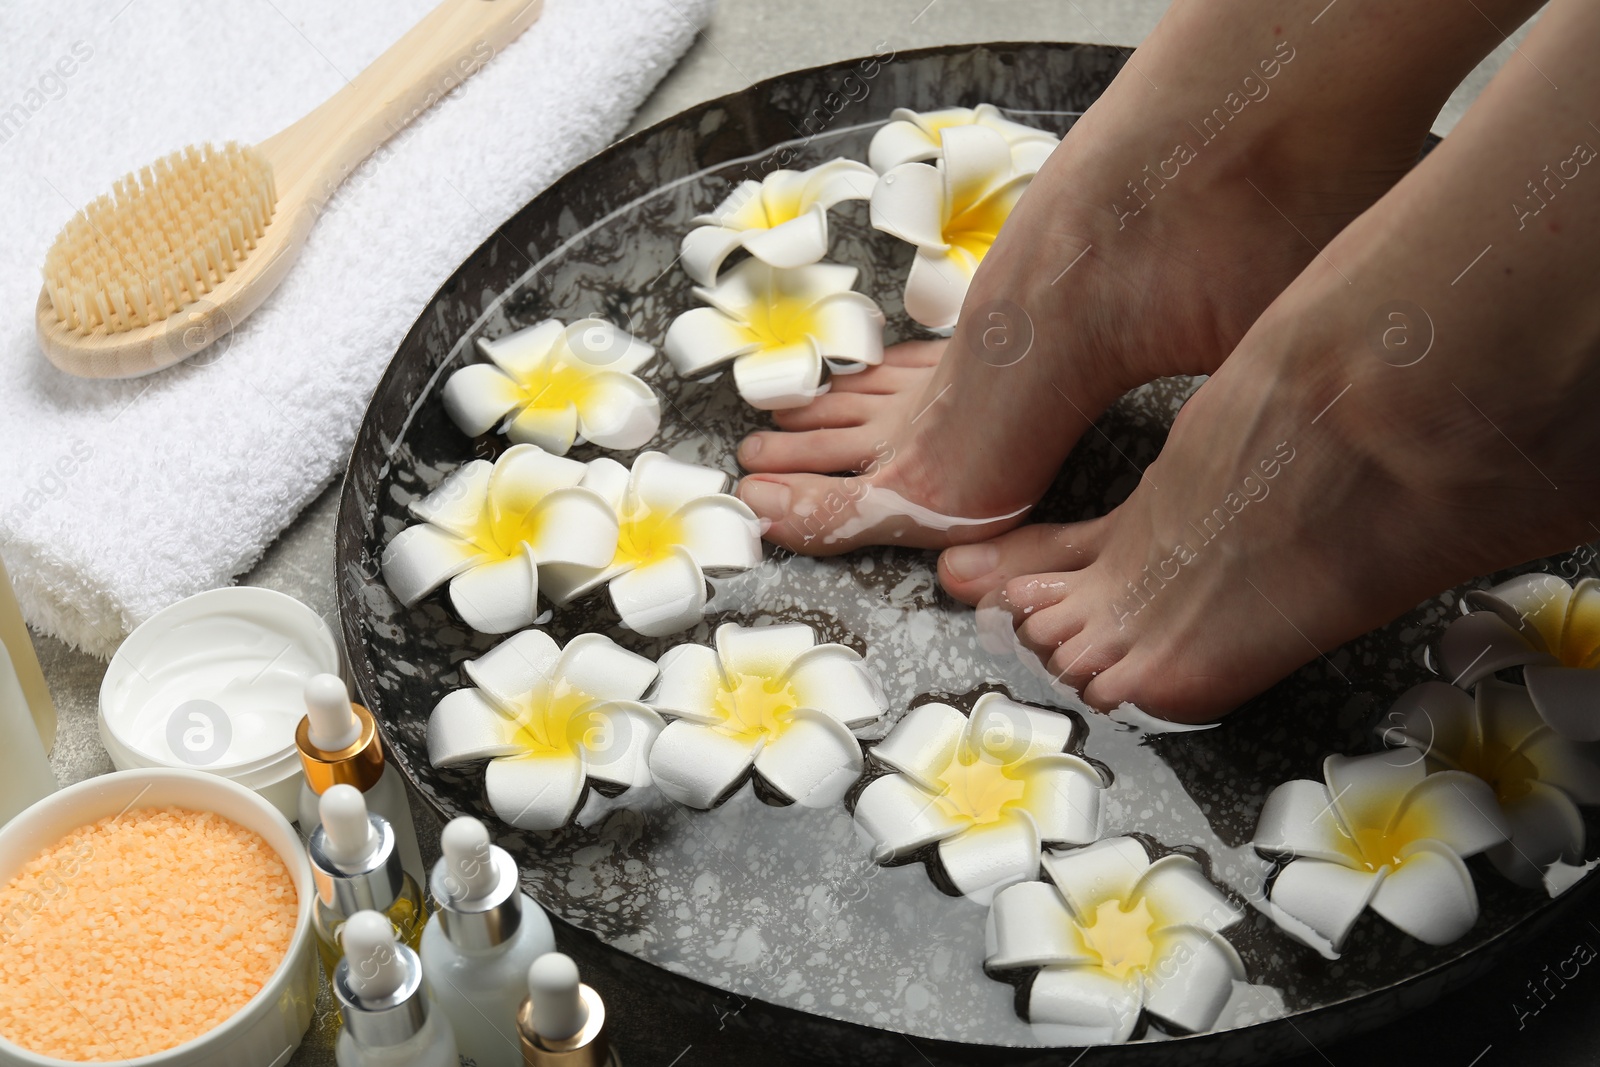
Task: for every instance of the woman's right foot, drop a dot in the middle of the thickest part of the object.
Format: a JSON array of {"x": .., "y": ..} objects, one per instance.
[{"x": 1146, "y": 247}]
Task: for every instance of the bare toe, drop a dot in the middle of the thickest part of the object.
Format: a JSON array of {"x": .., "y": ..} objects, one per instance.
[
  {"x": 971, "y": 572},
  {"x": 845, "y": 449}
]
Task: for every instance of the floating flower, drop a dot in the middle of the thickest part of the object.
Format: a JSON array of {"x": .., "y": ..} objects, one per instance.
[
  {"x": 1384, "y": 833},
  {"x": 675, "y": 525},
  {"x": 952, "y": 210},
  {"x": 1548, "y": 628},
  {"x": 1538, "y": 777},
  {"x": 490, "y": 527},
  {"x": 989, "y": 789},
  {"x": 777, "y": 327},
  {"x": 767, "y": 697},
  {"x": 1116, "y": 935},
  {"x": 548, "y": 720},
  {"x": 913, "y": 137},
  {"x": 781, "y": 220},
  {"x": 553, "y": 385}
]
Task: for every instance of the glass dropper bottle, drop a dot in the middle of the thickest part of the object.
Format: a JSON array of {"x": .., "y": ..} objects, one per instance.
[{"x": 356, "y": 866}]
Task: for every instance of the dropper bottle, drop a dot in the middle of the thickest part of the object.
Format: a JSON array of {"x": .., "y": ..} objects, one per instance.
[
  {"x": 563, "y": 1021},
  {"x": 339, "y": 744},
  {"x": 387, "y": 1021},
  {"x": 483, "y": 935},
  {"x": 355, "y": 867}
]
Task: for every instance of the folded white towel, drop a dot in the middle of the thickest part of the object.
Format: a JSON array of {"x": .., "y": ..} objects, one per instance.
[{"x": 118, "y": 498}]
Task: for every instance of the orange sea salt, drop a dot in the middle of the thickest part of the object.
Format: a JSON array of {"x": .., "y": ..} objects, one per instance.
[{"x": 139, "y": 932}]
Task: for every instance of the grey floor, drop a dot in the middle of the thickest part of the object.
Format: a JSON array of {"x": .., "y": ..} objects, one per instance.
[{"x": 748, "y": 41}]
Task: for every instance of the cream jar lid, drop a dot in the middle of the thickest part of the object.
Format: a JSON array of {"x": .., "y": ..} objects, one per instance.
[{"x": 216, "y": 682}]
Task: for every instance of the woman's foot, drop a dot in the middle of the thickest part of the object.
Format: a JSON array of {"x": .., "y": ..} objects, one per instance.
[
  {"x": 1415, "y": 410},
  {"x": 1146, "y": 246}
]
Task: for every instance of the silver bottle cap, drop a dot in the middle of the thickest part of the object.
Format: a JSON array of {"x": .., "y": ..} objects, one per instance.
[
  {"x": 374, "y": 881},
  {"x": 388, "y": 1020},
  {"x": 485, "y": 921}
]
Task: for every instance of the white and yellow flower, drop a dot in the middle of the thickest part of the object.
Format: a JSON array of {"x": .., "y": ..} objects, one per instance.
[
  {"x": 1381, "y": 832},
  {"x": 554, "y": 385},
  {"x": 913, "y": 137},
  {"x": 1538, "y": 777},
  {"x": 952, "y": 210},
  {"x": 778, "y": 327},
  {"x": 768, "y": 699},
  {"x": 488, "y": 529},
  {"x": 988, "y": 789},
  {"x": 1548, "y": 628},
  {"x": 781, "y": 220},
  {"x": 548, "y": 720},
  {"x": 1115, "y": 935},
  {"x": 675, "y": 525}
]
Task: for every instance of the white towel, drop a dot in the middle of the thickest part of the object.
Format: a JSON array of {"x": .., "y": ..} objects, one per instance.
[{"x": 118, "y": 498}]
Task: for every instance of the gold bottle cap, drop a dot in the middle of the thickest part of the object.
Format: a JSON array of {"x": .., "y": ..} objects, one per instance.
[
  {"x": 589, "y": 1047},
  {"x": 359, "y": 764}
]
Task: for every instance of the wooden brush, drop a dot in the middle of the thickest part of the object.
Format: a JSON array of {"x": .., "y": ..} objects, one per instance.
[{"x": 180, "y": 252}]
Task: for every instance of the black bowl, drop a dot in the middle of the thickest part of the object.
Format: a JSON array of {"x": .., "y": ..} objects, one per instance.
[{"x": 778, "y": 911}]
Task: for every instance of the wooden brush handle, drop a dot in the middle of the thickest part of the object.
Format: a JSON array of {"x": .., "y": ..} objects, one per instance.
[{"x": 453, "y": 42}]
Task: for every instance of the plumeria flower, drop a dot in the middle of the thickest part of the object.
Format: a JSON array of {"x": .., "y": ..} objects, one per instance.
[
  {"x": 989, "y": 789},
  {"x": 548, "y": 720},
  {"x": 553, "y": 385},
  {"x": 1116, "y": 935},
  {"x": 1538, "y": 777},
  {"x": 952, "y": 210},
  {"x": 490, "y": 527},
  {"x": 913, "y": 137},
  {"x": 1548, "y": 628},
  {"x": 768, "y": 698},
  {"x": 781, "y": 220},
  {"x": 675, "y": 525},
  {"x": 1379, "y": 832},
  {"x": 778, "y": 327}
]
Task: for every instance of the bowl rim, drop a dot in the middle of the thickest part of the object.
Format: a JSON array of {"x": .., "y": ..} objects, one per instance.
[{"x": 299, "y": 871}]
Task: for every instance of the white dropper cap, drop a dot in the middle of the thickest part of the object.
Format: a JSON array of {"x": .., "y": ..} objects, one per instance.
[
  {"x": 344, "y": 820},
  {"x": 558, "y": 1010},
  {"x": 333, "y": 725},
  {"x": 465, "y": 844},
  {"x": 376, "y": 969}
]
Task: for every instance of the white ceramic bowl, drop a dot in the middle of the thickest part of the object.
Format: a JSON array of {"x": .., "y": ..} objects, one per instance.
[{"x": 266, "y": 1031}]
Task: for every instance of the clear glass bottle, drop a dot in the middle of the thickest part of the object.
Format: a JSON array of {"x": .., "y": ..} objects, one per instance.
[
  {"x": 339, "y": 745},
  {"x": 356, "y": 867},
  {"x": 387, "y": 1016},
  {"x": 479, "y": 943}
]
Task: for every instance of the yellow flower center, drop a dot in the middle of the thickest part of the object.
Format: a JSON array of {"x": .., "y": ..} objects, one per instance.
[
  {"x": 647, "y": 536},
  {"x": 975, "y": 228},
  {"x": 1508, "y": 773},
  {"x": 976, "y": 789},
  {"x": 500, "y": 534},
  {"x": 556, "y": 384},
  {"x": 1377, "y": 847},
  {"x": 557, "y": 724},
  {"x": 1121, "y": 937},
  {"x": 755, "y": 707},
  {"x": 780, "y": 320}
]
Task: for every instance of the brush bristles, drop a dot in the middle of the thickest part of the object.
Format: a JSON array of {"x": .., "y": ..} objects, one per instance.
[{"x": 163, "y": 238}]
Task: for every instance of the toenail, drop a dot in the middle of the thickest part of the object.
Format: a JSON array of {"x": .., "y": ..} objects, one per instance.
[
  {"x": 769, "y": 500},
  {"x": 750, "y": 447},
  {"x": 966, "y": 562}
]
